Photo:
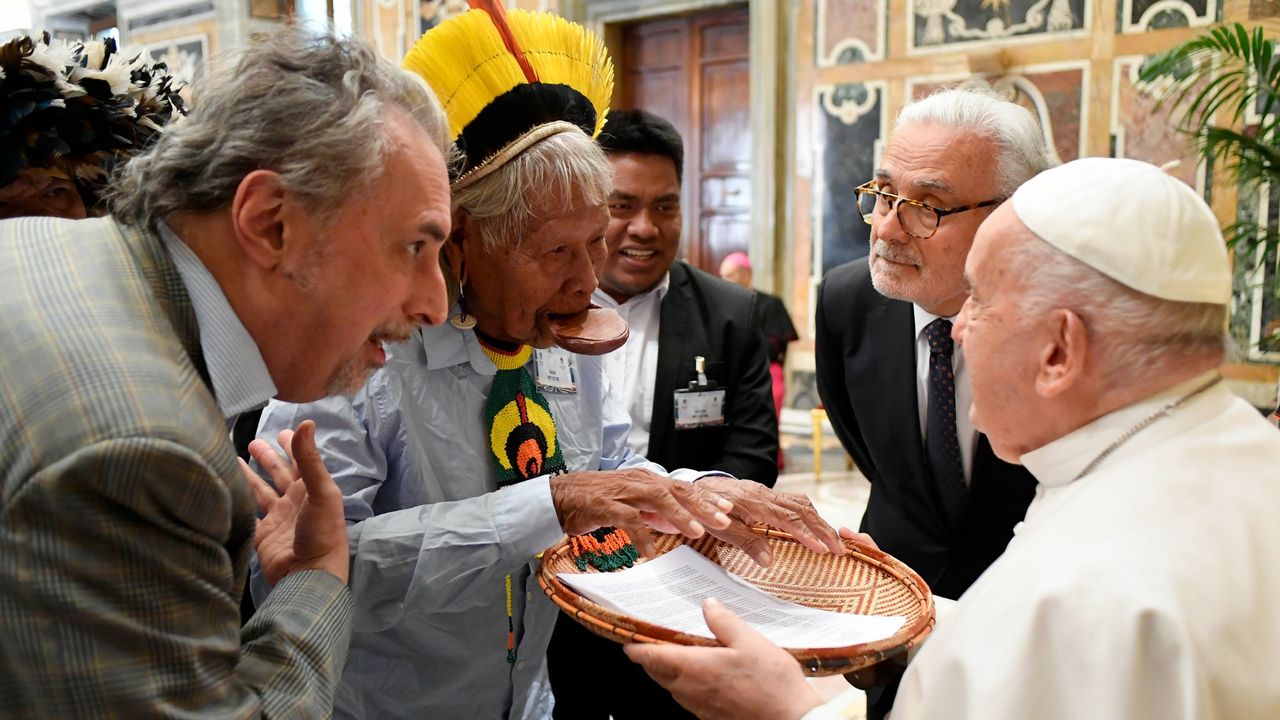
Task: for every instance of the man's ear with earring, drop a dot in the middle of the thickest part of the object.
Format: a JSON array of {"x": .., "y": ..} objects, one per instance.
[
  {"x": 461, "y": 319},
  {"x": 456, "y": 282}
]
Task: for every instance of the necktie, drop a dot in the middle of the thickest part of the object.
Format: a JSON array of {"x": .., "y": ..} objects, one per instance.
[
  {"x": 940, "y": 444},
  {"x": 523, "y": 445}
]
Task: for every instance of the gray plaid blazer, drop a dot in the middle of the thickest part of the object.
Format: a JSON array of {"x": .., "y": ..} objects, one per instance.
[{"x": 125, "y": 526}]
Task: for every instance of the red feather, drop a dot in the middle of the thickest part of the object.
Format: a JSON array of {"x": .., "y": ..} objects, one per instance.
[{"x": 498, "y": 14}]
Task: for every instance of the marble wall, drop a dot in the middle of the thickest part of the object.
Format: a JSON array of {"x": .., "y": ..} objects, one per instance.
[{"x": 856, "y": 62}]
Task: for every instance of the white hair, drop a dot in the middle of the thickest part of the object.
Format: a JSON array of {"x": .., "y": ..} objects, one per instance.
[
  {"x": 547, "y": 179},
  {"x": 1019, "y": 143},
  {"x": 1133, "y": 334}
]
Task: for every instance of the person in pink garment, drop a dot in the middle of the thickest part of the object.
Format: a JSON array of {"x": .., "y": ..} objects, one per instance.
[{"x": 773, "y": 320}]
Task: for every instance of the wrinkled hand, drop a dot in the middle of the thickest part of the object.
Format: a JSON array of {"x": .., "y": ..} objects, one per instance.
[
  {"x": 632, "y": 499},
  {"x": 857, "y": 537},
  {"x": 746, "y": 679},
  {"x": 304, "y": 527},
  {"x": 755, "y": 503}
]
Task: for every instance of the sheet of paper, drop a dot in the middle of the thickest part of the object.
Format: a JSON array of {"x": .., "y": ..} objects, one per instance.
[{"x": 669, "y": 590}]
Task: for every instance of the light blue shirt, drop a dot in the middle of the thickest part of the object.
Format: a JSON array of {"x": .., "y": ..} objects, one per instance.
[
  {"x": 432, "y": 537},
  {"x": 239, "y": 375}
]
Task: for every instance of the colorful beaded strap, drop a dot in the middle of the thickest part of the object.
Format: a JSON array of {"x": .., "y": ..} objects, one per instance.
[{"x": 523, "y": 445}]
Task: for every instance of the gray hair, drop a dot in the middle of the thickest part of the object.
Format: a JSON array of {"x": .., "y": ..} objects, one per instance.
[
  {"x": 1135, "y": 335},
  {"x": 550, "y": 177},
  {"x": 1020, "y": 148},
  {"x": 308, "y": 106}
]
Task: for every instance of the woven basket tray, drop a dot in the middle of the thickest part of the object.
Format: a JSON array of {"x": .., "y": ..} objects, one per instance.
[{"x": 864, "y": 581}]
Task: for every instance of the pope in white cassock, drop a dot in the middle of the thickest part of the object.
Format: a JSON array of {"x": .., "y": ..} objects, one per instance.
[{"x": 1143, "y": 581}]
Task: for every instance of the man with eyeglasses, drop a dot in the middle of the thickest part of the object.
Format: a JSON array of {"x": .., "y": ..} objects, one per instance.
[{"x": 893, "y": 384}]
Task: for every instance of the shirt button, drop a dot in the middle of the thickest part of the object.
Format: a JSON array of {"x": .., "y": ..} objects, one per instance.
[
  {"x": 528, "y": 596},
  {"x": 520, "y": 665}
]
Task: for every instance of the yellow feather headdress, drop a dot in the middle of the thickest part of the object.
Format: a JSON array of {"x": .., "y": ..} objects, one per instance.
[{"x": 501, "y": 74}]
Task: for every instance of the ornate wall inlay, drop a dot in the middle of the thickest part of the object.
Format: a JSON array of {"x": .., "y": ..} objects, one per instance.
[
  {"x": 939, "y": 25},
  {"x": 849, "y": 31},
  {"x": 1141, "y": 131},
  {"x": 1073, "y": 63},
  {"x": 849, "y": 127},
  {"x": 1054, "y": 93},
  {"x": 1138, "y": 16}
]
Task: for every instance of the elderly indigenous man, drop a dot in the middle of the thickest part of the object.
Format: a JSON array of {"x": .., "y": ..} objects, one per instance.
[
  {"x": 469, "y": 453},
  {"x": 676, "y": 313},
  {"x": 245, "y": 260},
  {"x": 1094, "y": 364},
  {"x": 73, "y": 113}
]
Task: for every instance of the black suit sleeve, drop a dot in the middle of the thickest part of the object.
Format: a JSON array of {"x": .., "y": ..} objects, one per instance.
[
  {"x": 751, "y": 448},
  {"x": 833, "y": 320}
]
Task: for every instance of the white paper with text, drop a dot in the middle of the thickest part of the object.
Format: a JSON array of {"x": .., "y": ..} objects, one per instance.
[{"x": 668, "y": 591}]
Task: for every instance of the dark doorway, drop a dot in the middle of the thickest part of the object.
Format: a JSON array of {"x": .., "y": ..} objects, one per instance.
[{"x": 694, "y": 71}]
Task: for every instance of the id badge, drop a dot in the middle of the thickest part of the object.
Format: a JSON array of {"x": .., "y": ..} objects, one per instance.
[
  {"x": 698, "y": 408},
  {"x": 555, "y": 370}
]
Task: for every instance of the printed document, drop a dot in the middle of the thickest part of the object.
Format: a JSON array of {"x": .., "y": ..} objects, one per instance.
[{"x": 668, "y": 591}]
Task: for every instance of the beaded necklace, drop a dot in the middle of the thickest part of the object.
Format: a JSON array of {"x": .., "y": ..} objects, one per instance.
[{"x": 523, "y": 445}]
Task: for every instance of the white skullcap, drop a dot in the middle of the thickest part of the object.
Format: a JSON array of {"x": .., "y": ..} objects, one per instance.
[{"x": 1133, "y": 223}]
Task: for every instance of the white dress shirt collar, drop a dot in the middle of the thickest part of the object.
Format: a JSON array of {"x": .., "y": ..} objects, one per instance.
[
  {"x": 444, "y": 346},
  {"x": 632, "y": 370},
  {"x": 1059, "y": 462},
  {"x": 604, "y": 299},
  {"x": 241, "y": 381}
]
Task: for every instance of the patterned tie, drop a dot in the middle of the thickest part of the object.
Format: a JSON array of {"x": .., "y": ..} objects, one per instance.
[
  {"x": 941, "y": 445},
  {"x": 523, "y": 445}
]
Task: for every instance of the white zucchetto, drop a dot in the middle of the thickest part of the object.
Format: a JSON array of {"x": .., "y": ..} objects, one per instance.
[{"x": 1133, "y": 223}]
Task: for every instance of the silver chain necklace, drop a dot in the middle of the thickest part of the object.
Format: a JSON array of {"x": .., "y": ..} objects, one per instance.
[{"x": 1142, "y": 424}]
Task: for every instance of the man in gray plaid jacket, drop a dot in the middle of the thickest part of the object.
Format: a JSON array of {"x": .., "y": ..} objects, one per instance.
[{"x": 266, "y": 246}]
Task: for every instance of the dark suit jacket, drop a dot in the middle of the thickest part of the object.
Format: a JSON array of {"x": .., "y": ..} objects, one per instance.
[
  {"x": 867, "y": 381},
  {"x": 704, "y": 315},
  {"x": 126, "y": 527}
]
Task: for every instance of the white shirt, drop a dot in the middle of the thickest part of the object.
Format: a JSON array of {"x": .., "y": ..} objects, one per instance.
[
  {"x": 633, "y": 368},
  {"x": 1144, "y": 590},
  {"x": 965, "y": 434}
]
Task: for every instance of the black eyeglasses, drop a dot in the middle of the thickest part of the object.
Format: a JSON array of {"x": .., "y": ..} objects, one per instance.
[{"x": 919, "y": 220}]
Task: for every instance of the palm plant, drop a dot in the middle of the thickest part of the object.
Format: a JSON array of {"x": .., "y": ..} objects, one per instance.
[
  {"x": 1232, "y": 74},
  {"x": 1224, "y": 91}
]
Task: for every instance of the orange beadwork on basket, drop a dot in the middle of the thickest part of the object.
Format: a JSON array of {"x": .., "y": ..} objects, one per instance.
[{"x": 605, "y": 549}]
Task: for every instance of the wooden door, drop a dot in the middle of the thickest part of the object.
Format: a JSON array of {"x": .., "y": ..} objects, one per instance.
[{"x": 693, "y": 70}]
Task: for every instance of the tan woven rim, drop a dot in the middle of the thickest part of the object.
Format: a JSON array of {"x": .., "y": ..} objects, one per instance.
[
  {"x": 510, "y": 150},
  {"x": 888, "y": 571}
]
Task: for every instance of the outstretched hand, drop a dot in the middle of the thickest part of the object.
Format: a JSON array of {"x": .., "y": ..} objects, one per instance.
[
  {"x": 303, "y": 526},
  {"x": 749, "y": 678},
  {"x": 754, "y": 503},
  {"x": 635, "y": 499}
]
